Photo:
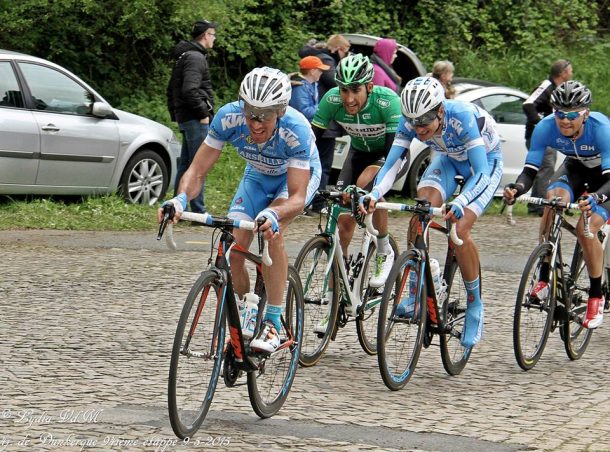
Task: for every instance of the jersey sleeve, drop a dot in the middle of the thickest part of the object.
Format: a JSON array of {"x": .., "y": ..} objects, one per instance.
[
  {"x": 538, "y": 144},
  {"x": 393, "y": 115},
  {"x": 224, "y": 126},
  {"x": 327, "y": 109},
  {"x": 396, "y": 159}
]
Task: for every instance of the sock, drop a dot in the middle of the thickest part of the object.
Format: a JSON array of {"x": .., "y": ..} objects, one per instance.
[
  {"x": 473, "y": 325},
  {"x": 383, "y": 244},
  {"x": 274, "y": 314},
  {"x": 596, "y": 287}
]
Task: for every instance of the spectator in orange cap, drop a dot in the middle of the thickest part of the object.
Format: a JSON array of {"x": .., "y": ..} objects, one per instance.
[{"x": 305, "y": 86}]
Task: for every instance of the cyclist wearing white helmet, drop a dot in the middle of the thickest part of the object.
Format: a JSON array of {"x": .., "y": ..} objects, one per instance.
[
  {"x": 583, "y": 136},
  {"x": 466, "y": 144},
  {"x": 282, "y": 175}
]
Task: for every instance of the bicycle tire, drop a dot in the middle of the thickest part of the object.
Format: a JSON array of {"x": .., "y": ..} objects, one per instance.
[
  {"x": 368, "y": 319},
  {"x": 193, "y": 376},
  {"x": 532, "y": 319},
  {"x": 576, "y": 338},
  {"x": 311, "y": 263},
  {"x": 400, "y": 340},
  {"x": 269, "y": 385},
  {"x": 453, "y": 354}
]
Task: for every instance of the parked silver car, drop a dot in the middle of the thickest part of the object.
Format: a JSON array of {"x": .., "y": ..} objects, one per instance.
[
  {"x": 59, "y": 136},
  {"x": 504, "y": 104}
]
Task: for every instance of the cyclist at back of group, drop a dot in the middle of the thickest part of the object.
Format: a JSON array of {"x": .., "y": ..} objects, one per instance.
[
  {"x": 466, "y": 142},
  {"x": 369, "y": 115},
  {"x": 281, "y": 176},
  {"x": 584, "y": 137}
]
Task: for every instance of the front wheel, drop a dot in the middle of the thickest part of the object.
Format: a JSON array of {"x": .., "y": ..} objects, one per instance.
[
  {"x": 453, "y": 354},
  {"x": 400, "y": 339},
  {"x": 575, "y": 337},
  {"x": 533, "y": 318},
  {"x": 320, "y": 278},
  {"x": 196, "y": 356},
  {"x": 368, "y": 317},
  {"x": 269, "y": 385}
]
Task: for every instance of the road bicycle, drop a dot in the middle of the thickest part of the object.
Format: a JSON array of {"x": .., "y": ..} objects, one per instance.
[
  {"x": 335, "y": 285},
  {"x": 401, "y": 338},
  {"x": 566, "y": 305},
  {"x": 202, "y": 352}
]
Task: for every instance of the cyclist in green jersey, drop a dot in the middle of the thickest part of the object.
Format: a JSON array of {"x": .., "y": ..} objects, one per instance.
[{"x": 369, "y": 115}]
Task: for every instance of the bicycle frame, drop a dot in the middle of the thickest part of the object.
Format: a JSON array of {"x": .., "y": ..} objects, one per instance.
[{"x": 351, "y": 283}]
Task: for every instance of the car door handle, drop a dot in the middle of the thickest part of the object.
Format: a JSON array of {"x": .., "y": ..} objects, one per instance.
[{"x": 50, "y": 128}]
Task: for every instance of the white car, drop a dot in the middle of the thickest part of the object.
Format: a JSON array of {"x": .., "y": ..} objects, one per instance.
[
  {"x": 58, "y": 136},
  {"x": 504, "y": 104}
]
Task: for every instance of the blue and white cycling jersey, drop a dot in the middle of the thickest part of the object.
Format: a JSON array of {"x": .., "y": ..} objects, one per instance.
[
  {"x": 468, "y": 135},
  {"x": 292, "y": 144},
  {"x": 592, "y": 148},
  {"x": 265, "y": 176}
]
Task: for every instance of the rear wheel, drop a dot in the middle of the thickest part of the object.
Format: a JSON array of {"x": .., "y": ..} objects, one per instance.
[
  {"x": 453, "y": 353},
  {"x": 321, "y": 295},
  {"x": 368, "y": 319},
  {"x": 575, "y": 337},
  {"x": 269, "y": 385},
  {"x": 533, "y": 318},
  {"x": 196, "y": 356},
  {"x": 400, "y": 340}
]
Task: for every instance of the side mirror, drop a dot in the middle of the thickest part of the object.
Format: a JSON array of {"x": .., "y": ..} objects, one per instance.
[{"x": 101, "y": 110}]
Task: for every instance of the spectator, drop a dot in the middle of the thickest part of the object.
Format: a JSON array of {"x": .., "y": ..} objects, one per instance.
[
  {"x": 190, "y": 99},
  {"x": 536, "y": 107},
  {"x": 305, "y": 95},
  {"x": 338, "y": 47},
  {"x": 384, "y": 54},
  {"x": 443, "y": 70}
]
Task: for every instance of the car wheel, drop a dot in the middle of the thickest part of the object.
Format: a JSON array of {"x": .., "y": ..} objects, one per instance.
[
  {"x": 145, "y": 178},
  {"x": 416, "y": 172}
]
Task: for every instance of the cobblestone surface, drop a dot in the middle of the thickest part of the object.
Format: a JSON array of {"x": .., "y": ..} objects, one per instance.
[{"x": 87, "y": 323}]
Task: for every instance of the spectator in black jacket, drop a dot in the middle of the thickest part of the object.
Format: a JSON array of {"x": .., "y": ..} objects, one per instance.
[
  {"x": 536, "y": 107},
  {"x": 189, "y": 97}
]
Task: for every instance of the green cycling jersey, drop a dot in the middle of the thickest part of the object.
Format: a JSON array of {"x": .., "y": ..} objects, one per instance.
[{"x": 369, "y": 126}]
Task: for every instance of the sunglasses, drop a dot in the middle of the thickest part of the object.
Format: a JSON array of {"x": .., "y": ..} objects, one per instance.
[
  {"x": 570, "y": 115},
  {"x": 259, "y": 114},
  {"x": 423, "y": 120}
]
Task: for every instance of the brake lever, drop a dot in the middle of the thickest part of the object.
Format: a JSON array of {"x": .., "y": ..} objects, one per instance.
[{"x": 168, "y": 214}]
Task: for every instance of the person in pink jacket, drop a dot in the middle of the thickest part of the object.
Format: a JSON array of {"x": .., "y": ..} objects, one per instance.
[{"x": 384, "y": 54}]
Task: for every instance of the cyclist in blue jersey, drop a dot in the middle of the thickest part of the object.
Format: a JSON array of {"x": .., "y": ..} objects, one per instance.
[
  {"x": 466, "y": 143},
  {"x": 584, "y": 137},
  {"x": 281, "y": 176}
]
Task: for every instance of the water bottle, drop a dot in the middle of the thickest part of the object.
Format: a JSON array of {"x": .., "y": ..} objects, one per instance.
[
  {"x": 440, "y": 286},
  {"x": 248, "y": 313}
]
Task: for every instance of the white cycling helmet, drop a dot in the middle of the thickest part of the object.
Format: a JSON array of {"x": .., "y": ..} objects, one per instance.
[
  {"x": 420, "y": 96},
  {"x": 265, "y": 87}
]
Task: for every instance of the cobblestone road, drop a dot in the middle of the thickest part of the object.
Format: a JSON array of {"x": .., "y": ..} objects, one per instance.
[{"x": 86, "y": 327}]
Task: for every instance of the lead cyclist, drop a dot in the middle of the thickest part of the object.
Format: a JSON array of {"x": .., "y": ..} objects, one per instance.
[{"x": 281, "y": 176}]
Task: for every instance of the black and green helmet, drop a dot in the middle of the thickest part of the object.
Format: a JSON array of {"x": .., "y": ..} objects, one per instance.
[{"x": 354, "y": 70}]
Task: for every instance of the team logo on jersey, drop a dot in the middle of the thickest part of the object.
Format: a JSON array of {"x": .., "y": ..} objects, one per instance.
[
  {"x": 587, "y": 147},
  {"x": 456, "y": 124},
  {"x": 383, "y": 103},
  {"x": 436, "y": 172},
  {"x": 334, "y": 99},
  {"x": 239, "y": 200},
  {"x": 249, "y": 140},
  {"x": 366, "y": 116},
  {"x": 231, "y": 120}
]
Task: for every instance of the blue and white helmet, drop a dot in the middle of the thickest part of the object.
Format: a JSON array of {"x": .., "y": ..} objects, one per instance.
[
  {"x": 265, "y": 87},
  {"x": 421, "y": 95}
]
